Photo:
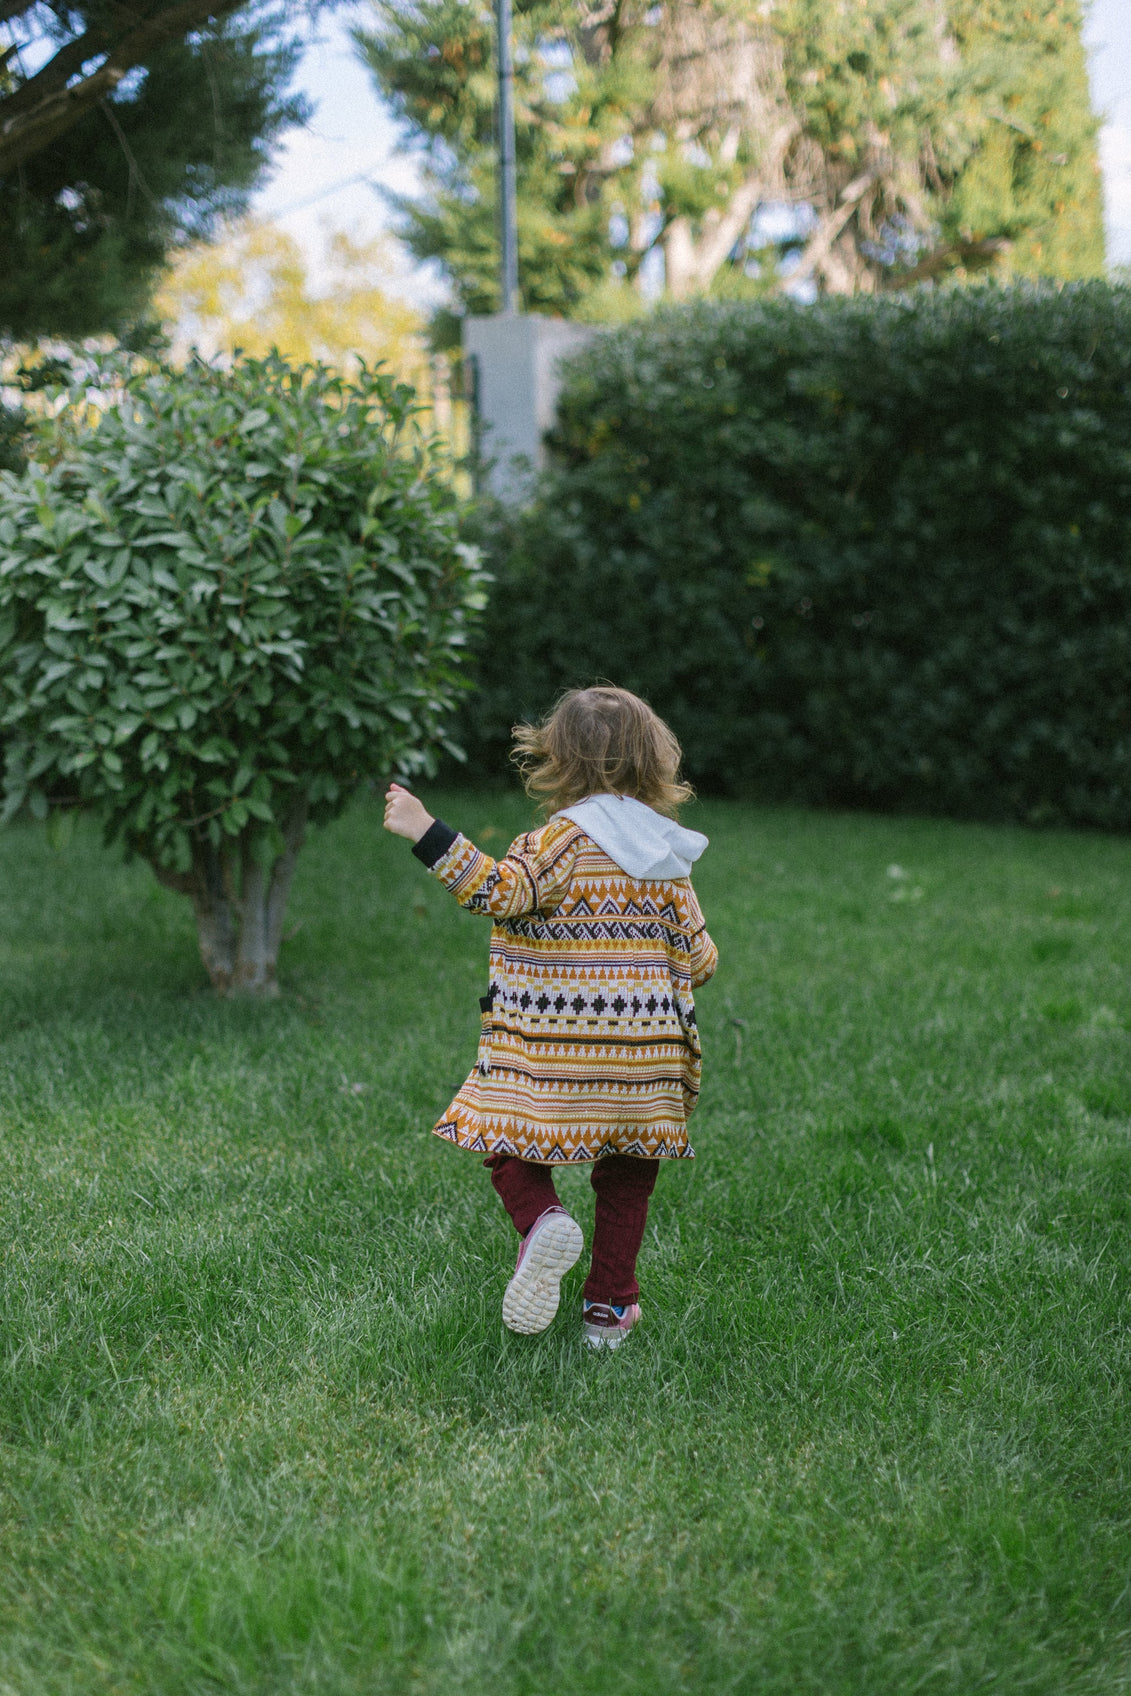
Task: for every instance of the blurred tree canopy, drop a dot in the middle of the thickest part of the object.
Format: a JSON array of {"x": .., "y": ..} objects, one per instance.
[
  {"x": 124, "y": 132},
  {"x": 850, "y": 145},
  {"x": 251, "y": 289}
]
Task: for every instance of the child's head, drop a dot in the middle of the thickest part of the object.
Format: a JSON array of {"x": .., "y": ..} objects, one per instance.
[{"x": 601, "y": 741}]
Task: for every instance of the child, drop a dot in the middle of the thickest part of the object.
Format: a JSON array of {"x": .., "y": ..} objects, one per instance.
[{"x": 589, "y": 1049}]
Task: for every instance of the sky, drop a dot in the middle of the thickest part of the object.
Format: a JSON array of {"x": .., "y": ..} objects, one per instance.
[
  {"x": 1108, "y": 37},
  {"x": 330, "y": 174}
]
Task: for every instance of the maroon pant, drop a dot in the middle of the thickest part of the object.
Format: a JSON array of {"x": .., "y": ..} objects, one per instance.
[{"x": 623, "y": 1184}]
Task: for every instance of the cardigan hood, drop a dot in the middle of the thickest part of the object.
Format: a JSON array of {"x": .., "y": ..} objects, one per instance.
[{"x": 642, "y": 842}]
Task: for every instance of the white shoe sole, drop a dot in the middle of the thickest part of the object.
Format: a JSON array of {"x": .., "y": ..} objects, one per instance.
[
  {"x": 531, "y": 1298},
  {"x": 604, "y": 1337}
]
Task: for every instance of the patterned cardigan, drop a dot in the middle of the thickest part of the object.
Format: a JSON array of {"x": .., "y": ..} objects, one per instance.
[{"x": 588, "y": 1043}]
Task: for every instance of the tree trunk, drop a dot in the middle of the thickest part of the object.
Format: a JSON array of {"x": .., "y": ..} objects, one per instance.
[
  {"x": 239, "y": 904},
  {"x": 679, "y": 259}
]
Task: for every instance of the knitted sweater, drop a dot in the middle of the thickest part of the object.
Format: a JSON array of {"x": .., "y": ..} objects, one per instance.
[{"x": 589, "y": 1044}]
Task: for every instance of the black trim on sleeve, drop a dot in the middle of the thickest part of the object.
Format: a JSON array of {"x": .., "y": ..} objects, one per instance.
[{"x": 435, "y": 842}]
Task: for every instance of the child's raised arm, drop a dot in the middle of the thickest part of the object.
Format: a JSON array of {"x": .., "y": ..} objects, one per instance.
[{"x": 533, "y": 876}]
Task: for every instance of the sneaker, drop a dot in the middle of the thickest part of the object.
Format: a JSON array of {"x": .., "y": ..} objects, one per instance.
[
  {"x": 549, "y": 1249},
  {"x": 606, "y": 1326}
]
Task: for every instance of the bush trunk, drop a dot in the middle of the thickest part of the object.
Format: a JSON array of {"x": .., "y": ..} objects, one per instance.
[{"x": 240, "y": 900}]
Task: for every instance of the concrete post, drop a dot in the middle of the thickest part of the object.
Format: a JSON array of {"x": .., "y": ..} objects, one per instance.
[{"x": 515, "y": 360}]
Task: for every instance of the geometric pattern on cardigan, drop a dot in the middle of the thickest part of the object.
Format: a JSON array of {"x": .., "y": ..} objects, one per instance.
[{"x": 589, "y": 1043}]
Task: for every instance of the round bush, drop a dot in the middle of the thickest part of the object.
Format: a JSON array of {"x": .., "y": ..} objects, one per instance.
[{"x": 237, "y": 597}]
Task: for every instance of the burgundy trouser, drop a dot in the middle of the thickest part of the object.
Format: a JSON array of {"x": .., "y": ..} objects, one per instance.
[{"x": 623, "y": 1184}]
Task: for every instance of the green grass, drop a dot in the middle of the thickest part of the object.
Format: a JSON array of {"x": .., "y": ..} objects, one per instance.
[{"x": 262, "y": 1430}]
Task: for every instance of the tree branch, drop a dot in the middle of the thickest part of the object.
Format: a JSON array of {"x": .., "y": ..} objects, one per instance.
[
  {"x": 940, "y": 257},
  {"x": 10, "y": 9},
  {"x": 25, "y": 133},
  {"x": 183, "y": 883},
  {"x": 56, "y": 74},
  {"x": 819, "y": 245},
  {"x": 294, "y": 834},
  {"x": 722, "y": 228}
]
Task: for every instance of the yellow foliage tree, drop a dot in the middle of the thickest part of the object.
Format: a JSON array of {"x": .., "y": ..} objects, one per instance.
[{"x": 251, "y": 289}]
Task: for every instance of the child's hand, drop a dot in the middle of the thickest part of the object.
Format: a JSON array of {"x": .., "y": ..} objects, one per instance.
[{"x": 404, "y": 815}]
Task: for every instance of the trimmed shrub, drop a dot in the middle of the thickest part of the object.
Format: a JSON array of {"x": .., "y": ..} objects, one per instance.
[
  {"x": 872, "y": 552},
  {"x": 233, "y": 601}
]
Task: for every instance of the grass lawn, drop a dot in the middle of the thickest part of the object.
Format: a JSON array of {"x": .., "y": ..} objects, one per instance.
[{"x": 262, "y": 1429}]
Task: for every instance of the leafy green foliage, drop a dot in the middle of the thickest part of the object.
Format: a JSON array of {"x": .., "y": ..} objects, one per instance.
[
  {"x": 26, "y": 371},
  {"x": 434, "y": 62},
  {"x": 1031, "y": 175},
  {"x": 967, "y": 124},
  {"x": 86, "y": 223},
  {"x": 915, "y": 138},
  {"x": 871, "y": 552},
  {"x": 241, "y": 588}
]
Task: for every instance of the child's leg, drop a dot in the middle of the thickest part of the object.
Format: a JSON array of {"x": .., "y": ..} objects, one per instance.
[
  {"x": 525, "y": 1188},
  {"x": 623, "y": 1184}
]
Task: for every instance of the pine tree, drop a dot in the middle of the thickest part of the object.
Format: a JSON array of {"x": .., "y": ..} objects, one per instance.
[
  {"x": 100, "y": 179},
  {"x": 1035, "y": 173},
  {"x": 909, "y": 139}
]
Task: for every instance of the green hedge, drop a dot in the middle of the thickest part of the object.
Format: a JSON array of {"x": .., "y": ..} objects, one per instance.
[{"x": 872, "y": 552}]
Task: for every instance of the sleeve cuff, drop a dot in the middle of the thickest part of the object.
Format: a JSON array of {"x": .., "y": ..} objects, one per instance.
[{"x": 435, "y": 842}]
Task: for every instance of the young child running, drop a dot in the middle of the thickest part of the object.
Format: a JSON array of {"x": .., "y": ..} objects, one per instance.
[{"x": 589, "y": 1049}]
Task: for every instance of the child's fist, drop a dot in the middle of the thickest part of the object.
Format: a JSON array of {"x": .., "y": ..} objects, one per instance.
[{"x": 404, "y": 815}]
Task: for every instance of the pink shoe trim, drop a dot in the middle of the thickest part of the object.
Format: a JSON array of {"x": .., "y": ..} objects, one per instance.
[{"x": 604, "y": 1327}]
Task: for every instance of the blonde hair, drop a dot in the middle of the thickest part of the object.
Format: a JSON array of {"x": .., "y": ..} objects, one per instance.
[{"x": 601, "y": 741}]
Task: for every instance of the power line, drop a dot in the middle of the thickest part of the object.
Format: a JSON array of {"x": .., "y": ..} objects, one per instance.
[{"x": 325, "y": 193}]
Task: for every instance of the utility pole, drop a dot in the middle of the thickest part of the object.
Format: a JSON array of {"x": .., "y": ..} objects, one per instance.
[
  {"x": 513, "y": 355},
  {"x": 508, "y": 220}
]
